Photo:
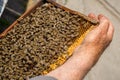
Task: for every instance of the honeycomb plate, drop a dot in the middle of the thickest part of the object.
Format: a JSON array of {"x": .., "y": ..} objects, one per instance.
[{"x": 41, "y": 40}]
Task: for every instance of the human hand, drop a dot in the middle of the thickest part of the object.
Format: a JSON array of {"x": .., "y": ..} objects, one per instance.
[
  {"x": 87, "y": 54},
  {"x": 100, "y": 37},
  {"x": 96, "y": 41}
]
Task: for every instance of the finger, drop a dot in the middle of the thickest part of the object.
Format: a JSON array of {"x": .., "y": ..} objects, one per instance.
[
  {"x": 104, "y": 23},
  {"x": 92, "y": 16},
  {"x": 105, "y": 17},
  {"x": 110, "y": 32},
  {"x": 111, "y": 28}
]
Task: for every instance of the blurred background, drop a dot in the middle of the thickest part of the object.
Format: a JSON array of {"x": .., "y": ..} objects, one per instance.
[
  {"x": 13, "y": 10},
  {"x": 108, "y": 67}
]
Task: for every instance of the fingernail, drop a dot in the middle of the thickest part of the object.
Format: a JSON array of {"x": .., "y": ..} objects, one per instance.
[{"x": 100, "y": 16}]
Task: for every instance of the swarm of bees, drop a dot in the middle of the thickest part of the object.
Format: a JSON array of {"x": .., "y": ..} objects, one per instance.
[{"x": 37, "y": 41}]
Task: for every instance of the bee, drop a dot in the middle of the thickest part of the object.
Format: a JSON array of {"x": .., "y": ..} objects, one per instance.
[{"x": 38, "y": 41}]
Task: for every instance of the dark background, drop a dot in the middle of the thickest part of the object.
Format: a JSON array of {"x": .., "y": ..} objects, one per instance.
[{"x": 8, "y": 16}]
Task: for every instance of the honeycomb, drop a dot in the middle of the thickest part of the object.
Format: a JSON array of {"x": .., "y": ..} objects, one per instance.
[{"x": 40, "y": 42}]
